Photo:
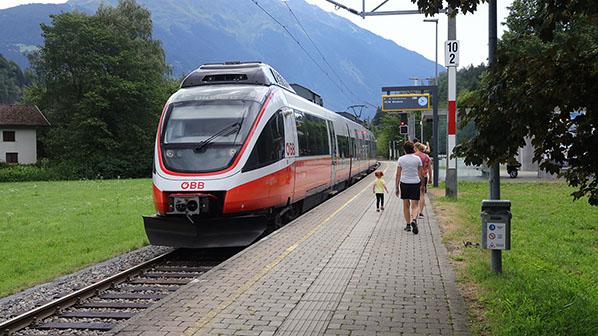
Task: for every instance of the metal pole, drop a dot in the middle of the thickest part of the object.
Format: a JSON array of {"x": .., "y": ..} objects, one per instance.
[
  {"x": 436, "y": 63},
  {"x": 421, "y": 127},
  {"x": 436, "y": 66},
  {"x": 435, "y": 137},
  {"x": 495, "y": 255},
  {"x": 451, "y": 164}
]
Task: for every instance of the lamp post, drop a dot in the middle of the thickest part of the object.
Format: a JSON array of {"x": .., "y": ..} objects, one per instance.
[{"x": 436, "y": 66}]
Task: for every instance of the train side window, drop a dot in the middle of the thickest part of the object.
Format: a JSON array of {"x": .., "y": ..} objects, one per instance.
[
  {"x": 302, "y": 134},
  {"x": 269, "y": 147},
  {"x": 318, "y": 135},
  {"x": 312, "y": 134},
  {"x": 343, "y": 146}
]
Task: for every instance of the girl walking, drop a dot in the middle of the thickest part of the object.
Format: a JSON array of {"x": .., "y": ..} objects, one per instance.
[{"x": 378, "y": 189}]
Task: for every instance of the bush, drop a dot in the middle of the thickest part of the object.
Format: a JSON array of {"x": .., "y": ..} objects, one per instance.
[
  {"x": 44, "y": 170},
  {"x": 40, "y": 171}
]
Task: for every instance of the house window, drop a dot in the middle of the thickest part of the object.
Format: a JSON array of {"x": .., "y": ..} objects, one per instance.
[
  {"x": 8, "y": 136},
  {"x": 12, "y": 157}
]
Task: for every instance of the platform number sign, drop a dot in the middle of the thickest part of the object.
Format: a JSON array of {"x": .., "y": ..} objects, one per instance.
[{"x": 451, "y": 53}]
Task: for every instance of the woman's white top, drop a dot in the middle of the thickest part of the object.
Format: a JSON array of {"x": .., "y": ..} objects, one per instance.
[{"x": 410, "y": 164}]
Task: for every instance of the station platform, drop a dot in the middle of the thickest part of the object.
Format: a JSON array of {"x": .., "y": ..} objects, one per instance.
[{"x": 340, "y": 269}]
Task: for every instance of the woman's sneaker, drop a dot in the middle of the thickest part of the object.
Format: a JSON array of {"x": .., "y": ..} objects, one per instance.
[
  {"x": 381, "y": 208},
  {"x": 408, "y": 227},
  {"x": 414, "y": 225},
  {"x": 421, "y": 215}
]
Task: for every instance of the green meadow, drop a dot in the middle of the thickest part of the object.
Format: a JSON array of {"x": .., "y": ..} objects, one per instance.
[
  {"x": 53, "y": 228},
  {"x": 549, "y": 283}
]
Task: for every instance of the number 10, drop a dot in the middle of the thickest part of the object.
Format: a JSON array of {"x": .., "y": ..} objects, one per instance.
[
  {"x": 452, "y": 53},
  {"x": 453, "y": 46}
]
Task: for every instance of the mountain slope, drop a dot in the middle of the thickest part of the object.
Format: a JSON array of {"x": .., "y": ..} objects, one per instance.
[{"x": 196, "y": 32}]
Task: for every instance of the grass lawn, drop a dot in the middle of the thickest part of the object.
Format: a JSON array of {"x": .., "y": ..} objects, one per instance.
[
  {"x": 53, "y": 228},
  {"x": 549, "y": 284}
]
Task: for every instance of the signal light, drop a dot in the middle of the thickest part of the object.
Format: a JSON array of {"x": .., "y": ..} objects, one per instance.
[{"x": 403, "y": 119}]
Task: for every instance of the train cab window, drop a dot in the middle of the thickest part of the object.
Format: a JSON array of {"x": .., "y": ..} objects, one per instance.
[
  {"x": 269, "y": 147},
  {"x": 205, "y": 136}
]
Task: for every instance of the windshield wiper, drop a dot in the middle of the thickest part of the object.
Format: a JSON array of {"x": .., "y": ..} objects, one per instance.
[{"x": 230, "y": 129}]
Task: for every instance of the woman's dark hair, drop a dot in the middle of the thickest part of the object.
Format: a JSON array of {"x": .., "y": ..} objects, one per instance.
[{"x": 408, "y": 147}]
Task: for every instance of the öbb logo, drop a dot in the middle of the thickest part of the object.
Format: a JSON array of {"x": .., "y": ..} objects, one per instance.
[
  {"x": 290, "y": 148},
  {"x": 192, "y": 185}
]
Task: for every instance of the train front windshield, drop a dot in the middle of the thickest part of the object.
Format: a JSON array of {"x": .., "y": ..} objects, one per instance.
[{"x": 205, "y": 127}]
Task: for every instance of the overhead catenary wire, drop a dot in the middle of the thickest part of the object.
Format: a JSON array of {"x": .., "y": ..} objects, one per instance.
[
  {"x": 318, "y": 50},
  {"x": 306, "y": 52}
]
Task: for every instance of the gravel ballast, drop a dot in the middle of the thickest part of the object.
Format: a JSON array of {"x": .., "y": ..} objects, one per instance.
[{"x": 21, "y": 302}]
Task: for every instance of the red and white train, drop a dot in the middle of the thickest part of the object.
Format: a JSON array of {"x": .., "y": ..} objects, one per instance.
[{"x": 237, "y": 143}]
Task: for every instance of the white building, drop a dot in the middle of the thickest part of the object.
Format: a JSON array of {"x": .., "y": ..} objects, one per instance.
[{"x": 18, "y": 137}]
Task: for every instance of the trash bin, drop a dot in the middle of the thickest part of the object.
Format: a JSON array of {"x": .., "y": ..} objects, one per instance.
[{"x": 496, "y": 224}]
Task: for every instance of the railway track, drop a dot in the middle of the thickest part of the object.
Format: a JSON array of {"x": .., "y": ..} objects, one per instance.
[{"x": 101, "y": 306}]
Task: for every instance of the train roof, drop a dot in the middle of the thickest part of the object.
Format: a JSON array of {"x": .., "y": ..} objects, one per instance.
[
  {"x": 236, "y": 73},
  {"x": 256, "y": 73}
]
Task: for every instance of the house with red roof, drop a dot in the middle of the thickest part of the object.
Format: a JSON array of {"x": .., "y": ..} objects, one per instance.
[{"x": 18, "y": 133}]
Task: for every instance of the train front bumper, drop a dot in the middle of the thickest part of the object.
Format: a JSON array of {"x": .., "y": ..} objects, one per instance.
[{"x": 179, "y": 231}]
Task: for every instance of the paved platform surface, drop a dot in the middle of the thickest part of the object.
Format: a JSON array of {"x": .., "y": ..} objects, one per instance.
[{"x": 340, "y": 269}]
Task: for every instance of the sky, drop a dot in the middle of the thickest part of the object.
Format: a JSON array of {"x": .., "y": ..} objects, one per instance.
[
  {"x": 408, "y": 31},
  {"x": 411, "y": 32}
]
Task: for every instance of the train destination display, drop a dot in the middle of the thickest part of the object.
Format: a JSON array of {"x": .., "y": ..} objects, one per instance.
[{"x": 406, "y": 102}]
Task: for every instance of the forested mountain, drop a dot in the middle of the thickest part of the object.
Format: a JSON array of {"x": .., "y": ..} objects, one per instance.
[{"x": 353, "y": 63}]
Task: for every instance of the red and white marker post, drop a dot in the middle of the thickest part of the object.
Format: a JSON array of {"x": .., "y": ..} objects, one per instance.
[{"x": 451, "y": 62}]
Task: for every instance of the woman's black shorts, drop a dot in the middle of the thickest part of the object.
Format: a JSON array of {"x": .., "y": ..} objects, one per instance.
[{"x": 410, "y": 191}]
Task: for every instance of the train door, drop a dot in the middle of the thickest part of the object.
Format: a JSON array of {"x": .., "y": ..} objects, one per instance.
[
  {"x": 351, "y": 152},
  {"x": 357, "y": 156},
  {"x": 291, "y": 146},
  {"x": 333, "y": 152}
]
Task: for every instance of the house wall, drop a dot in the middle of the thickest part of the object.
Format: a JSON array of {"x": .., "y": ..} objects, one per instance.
[
  {"x": 526, "y": 156},
  {"x": 25, "y": 145}
]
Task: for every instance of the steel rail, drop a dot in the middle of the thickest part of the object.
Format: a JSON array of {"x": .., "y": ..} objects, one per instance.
[{"x": 41, "y": 312}]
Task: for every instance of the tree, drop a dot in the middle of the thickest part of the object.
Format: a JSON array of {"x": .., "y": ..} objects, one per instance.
[
  {"x": 102, "y": 81},
  {"x": 545, "y": 72},
  {"x": 12, "y": 81},
  {"x": 431, "y": 7}
]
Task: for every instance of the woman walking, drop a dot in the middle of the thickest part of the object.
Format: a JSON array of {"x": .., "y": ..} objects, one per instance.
[
  {"x": 408, "y": 184},
  {"x": 420, "y": 151}
]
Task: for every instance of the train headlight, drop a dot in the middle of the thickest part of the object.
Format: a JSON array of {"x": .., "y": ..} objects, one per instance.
[
  {"x": 180, "y": 205},
  {"x": 169, "y": 153},
  {"x": 188, "y": 204},
  {"x": 192, "y": 205}
]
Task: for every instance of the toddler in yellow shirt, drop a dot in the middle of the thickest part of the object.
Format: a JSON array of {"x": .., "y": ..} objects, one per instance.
[{"x": 378, "y": 189}]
